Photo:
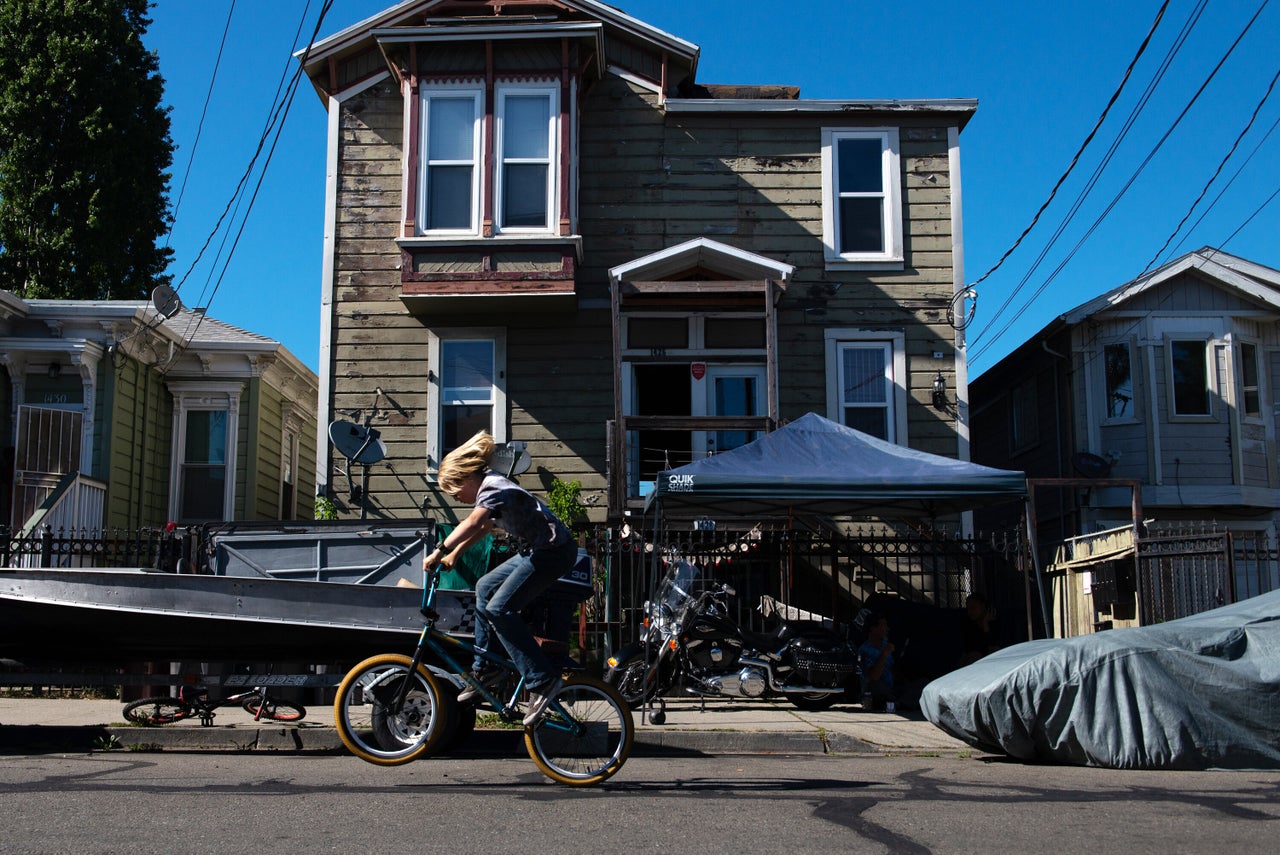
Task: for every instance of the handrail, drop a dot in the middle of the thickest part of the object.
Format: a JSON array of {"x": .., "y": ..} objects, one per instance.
[{"x": 75, "y": 503}]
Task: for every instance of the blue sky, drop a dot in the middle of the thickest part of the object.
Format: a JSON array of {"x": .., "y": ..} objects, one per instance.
[{"x": 1042, "y": 74}]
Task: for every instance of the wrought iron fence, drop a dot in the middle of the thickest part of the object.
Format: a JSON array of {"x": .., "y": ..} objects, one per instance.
[
  {"x": 1188, "y": 570},
  {"x": 817, "y": 568},
  {"x": 81, "y": 548}
]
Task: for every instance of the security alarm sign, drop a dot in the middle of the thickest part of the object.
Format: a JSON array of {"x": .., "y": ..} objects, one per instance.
[{"x": 698, "y": 370}]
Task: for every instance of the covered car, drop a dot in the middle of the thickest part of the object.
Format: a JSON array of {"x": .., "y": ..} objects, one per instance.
[{"x": 1198, "y": 692}]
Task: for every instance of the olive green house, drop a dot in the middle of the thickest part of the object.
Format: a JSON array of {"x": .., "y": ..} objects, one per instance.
[
  {"x": 542, "y": 223},
  {"x": 115, "y": 416}
]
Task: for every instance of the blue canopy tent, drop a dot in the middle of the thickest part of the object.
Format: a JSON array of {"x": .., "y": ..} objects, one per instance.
[{"x": 814, "y": 465}]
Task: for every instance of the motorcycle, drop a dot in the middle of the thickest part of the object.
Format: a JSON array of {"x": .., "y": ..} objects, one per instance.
[{"x": 691, "y": 641}]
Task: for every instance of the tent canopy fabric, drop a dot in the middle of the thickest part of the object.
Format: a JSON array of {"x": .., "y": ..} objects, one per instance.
[{"x": 818, "y": 466}]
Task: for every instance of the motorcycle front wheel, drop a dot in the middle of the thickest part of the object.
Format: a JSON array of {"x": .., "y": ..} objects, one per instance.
[
  {"x": 813, "y": 701},
  {"x": 629, "y": 678}
]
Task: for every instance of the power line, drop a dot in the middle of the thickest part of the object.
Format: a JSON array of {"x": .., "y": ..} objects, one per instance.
[
  {"x": 1270, "y": 88},
  {"x": 1128, "y": 184},
  {"x": 1098, "y": 124},
  {"x": 1096, "y": 175},
  {"x": 283, "y": 112},
  {"x": 244, "y": 178},
  {"x": 213, "y": 78}
]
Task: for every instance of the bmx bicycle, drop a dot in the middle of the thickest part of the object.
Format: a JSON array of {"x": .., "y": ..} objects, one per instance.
[
  {"x": 391, "y": 709},
  {"x": 195, "y": 702}
]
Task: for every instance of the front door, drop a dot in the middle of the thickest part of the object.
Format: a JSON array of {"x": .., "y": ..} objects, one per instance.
[
  {"x": 731, "y": 390},
  {"x": 48, "y": 448}
]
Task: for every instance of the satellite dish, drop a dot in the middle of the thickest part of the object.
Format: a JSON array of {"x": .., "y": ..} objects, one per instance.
[
  {"x": 511, "y": 460},
  {"x": 357, "y": 443},
  {"x": 165, "y": 301},
  {"x": 1090, "y": 465}
]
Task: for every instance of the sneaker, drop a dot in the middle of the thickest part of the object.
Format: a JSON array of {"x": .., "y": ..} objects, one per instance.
[
  {"x": 488, "y": 677},
  {"x": 538, "y": 700}
]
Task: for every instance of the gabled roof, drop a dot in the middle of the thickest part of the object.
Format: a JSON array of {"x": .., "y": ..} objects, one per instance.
[
  {"x": 702, "y": 253},
  {"x": 414, "y": 14},
  {"x": 1253, "y": 281}
]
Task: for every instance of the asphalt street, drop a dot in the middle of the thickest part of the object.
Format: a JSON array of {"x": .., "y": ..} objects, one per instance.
[{"x": 131, "y": 801}]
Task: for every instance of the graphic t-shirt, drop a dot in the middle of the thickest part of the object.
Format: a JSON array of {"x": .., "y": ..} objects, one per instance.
[{"x": 519, "y": 513}]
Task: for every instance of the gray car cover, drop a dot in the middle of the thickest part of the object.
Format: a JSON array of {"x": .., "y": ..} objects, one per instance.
[{"x": 1198, "y": 692}]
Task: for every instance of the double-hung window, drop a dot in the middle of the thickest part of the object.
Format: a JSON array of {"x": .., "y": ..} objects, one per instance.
[
  {"x": 459, "y": 185},
  {"x": 861, "y": 196},
  {"x": 864, "y": 383},
  {"x": 526, "y": 141},
  {"x": 1250, "y": 398},
  {"x": 449, "y": 188},
  {"x": 467, "y": 393},
  {"x": 203, "y": 478}
]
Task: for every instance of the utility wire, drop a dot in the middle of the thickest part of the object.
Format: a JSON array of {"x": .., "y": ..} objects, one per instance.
[
  {"x": 1076, "y": 205},
  {"x": 279, "y": 127},
  {"x": 244, "y": 178},
  {"x": 1098, "y": 124},
  {"x": 273, "y": 117},
  {"x": 213, "y": 78},
  {"x": 1256, "y": 110},
  {"x": 1128, "y": 184}
]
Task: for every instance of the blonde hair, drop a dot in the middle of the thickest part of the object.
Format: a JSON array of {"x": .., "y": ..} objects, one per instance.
[{"x": 465, "y": 461}]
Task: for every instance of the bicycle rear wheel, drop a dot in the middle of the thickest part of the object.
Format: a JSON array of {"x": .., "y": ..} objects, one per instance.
[
  {"x": 369, "y": 725},
  {"x": 157, "y": 711},
  {"x": 273, "y": 708},
  {"x": 592, "y": 743}
]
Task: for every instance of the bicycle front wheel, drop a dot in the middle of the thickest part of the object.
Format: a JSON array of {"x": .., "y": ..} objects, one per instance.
[
  {"x": 586, "y": 735},
  {"x": 157, "y": 711},
  {"x": 369, "y": 723},
  {"x": 273, "y": 708}
]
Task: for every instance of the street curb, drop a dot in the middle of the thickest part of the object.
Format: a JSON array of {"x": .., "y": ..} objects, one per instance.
[{"x": 47, "y": 739}]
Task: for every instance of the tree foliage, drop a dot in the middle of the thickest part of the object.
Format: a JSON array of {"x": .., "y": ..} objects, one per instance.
[{"x": 84, "y": 151}]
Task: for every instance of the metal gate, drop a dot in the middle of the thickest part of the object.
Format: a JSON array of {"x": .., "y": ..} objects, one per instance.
[
  {"x": 48, "y": 448},
  {"x": 1183, "y": 574}
]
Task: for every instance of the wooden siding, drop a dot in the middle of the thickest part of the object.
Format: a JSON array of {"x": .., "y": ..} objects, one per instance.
[
  {"x": 140, "y": 426},
  {"x": 646, "y": 182}
]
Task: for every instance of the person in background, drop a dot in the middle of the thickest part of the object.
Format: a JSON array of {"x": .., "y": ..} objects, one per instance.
[
  {"x": 976, "y": 640},
  {"x": 547, "y": 551},
  {"x": 876, "y": 658}
]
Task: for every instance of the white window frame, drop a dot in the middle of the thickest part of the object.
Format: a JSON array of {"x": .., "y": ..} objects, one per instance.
[
  {"x": 894, "y": 344},
  {"x": 891, "y": 256},
  {"x": 450, "y": 92},
  {"x": 290, "y": 442},
  {"x": 205, "y": 397},
  {"x": 1243, "y": 390},
  {"x": 552, "y": 160},
  {"x": 435, "y": 387},
  {"x": 1211, "y": 385}
]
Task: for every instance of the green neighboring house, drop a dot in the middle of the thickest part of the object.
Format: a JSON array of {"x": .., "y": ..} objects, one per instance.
[{"x": 184, "y": 419}]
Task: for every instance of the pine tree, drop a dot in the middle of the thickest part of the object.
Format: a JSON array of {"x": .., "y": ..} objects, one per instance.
[{"x": 84, "y": 149}]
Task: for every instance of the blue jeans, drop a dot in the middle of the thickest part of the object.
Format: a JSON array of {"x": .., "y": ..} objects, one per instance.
[{"x": 507, "y": 590}]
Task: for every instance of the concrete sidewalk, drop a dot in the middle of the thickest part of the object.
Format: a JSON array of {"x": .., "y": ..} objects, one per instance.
[{"x": 29, "y": 725}]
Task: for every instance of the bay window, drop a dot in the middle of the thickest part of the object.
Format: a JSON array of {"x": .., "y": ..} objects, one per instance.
[{"x": 461, "y": 189}]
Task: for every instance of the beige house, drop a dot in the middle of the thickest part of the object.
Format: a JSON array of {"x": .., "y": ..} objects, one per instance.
[{"x": 541, "y": 223}]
